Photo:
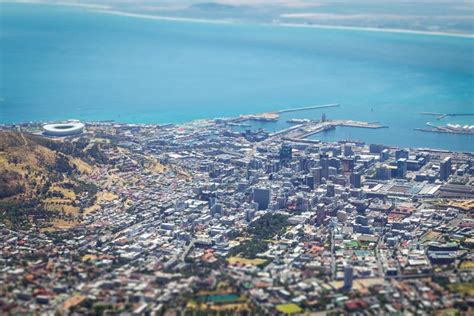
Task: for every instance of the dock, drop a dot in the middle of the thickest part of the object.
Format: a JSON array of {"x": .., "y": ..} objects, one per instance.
[
  {"x": 306, "y": 108},
  {"x": 440, "y": 116},
  {"x": 275, "y": 115},
  {"x": 305, "y": 130},
  {"x": 443, "y": 131}
]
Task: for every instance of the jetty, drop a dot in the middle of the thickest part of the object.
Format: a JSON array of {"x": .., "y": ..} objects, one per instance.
[
  {"x": 440, "y": 116},
  {"x": 449, "y": 129},
  {"x": 275, "y": 115},
  {"x": 306, "y": 108},
  {"x": 302, "y": 131}
]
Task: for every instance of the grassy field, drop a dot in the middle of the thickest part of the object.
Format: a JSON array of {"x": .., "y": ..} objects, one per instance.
[
  {"x": 463, "y": 288},
  {"x": 246, "y": 262},
  {"x": 289, "y": 308}
]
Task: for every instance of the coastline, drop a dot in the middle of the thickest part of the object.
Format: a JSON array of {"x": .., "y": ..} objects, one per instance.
[
  {"x": 92, "y": 6},
  {"x": 293, "y": 25},
  {"x": 104, "y": 9},
  {"x": 163, "y": 18},
  {"x": 374, "y": 29},
  {"x": 9, "y": 126},
  {"x": 147, "y": 112}
]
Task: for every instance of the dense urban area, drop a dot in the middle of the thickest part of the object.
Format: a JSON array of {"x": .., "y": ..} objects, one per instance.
[{"x": 200, "y": 218}]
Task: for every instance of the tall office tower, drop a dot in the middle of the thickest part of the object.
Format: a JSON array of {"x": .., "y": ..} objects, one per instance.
[
  {"x": 348, "y": 150},
  {"x": 375, "y": 148},
  {"x": 355, "y": 180},
  {"x": 348, "y": 276},
  {"x": 336, "y": 151},
  {"x": 262, "y": 197},
  {"x": 286, "y": 152},
  {"x": 445, "y": 168},
  {"x": 401, "y": 167},
  {"x": 332, "y": 171},
  {"x": 324, "y": 163},
  {"x": 309, "y": 181},
  {"x": 383, "y": 173},
  {"x": 317, "y": 174},
  {"x": 384, "y": 155},
  {"x": 330, "y": 192},
  {"x": 320, "y": 213},
  {"x": 347, "y": 164},
  {"x": 401, "y": 153},
  {"x": 217, "y": 208}
]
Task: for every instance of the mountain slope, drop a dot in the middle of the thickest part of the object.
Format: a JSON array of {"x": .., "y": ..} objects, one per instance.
[{"x": 43, "y": 179}]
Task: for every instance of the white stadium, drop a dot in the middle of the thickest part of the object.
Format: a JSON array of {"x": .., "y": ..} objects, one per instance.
[{"x": 64, "y": 129}]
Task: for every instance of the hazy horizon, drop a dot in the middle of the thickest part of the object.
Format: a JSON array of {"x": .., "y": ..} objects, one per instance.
[{"x": 439, "y": 16}]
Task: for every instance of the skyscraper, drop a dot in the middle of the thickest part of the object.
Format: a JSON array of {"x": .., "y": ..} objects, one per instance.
[
  {"x": 401, "y": 153},
  {"x": 348, "y": 276},
  {"x": 401, "y": 167},
  {"x": 324, "y": 163},
  {"x": 317, "y": 174},
  {"x": 262, "y": 197},
  {"x": 355, "y": 180},
  {"x": 348, "y": 150},
  {"x": 330, "y": 190},
  {"x": 445, "y": 169},
  {"x": 286, "y": 152}
]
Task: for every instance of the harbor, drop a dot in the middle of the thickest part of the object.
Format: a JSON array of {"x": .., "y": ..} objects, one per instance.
[
  {"x": 302, "y": 131},
  {"x": 275, "y": 115},
  {"x": 300, "y": 128}
]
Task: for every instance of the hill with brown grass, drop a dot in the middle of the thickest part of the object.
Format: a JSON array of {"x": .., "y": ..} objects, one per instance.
[{"x": 42, "y": 179}]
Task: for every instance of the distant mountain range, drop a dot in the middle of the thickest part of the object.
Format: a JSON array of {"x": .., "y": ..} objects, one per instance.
[{"x": 453, "y": 16}]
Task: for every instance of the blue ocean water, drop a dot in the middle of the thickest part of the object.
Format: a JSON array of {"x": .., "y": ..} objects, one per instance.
[{"x": 59, "y": 63}]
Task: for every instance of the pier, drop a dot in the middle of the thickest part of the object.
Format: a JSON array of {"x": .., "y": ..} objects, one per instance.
[
  {"x": 440, "y": 116},
  {"x": 444, "y": 131},
  {"x": 305, "y": 130},
  {"x": 306, "y": 108},
  {"x": 449, "y": 129},
  {"x": 275, "y": 115}
]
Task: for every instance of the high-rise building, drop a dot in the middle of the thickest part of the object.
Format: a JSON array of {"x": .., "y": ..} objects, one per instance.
[
  {"x": 317, "y": 174},
  {"x": 401, "y": 153},
  {"x": 348, "y": 150},
  {"x": 376, "y": 148},
  {"x": 384, "y": 155},
  {"x": 286, "y": 152},
  {"x": 401, "y": 167},
  {"x": 347, "y": 164},
  {"x": 217, "y": 208},
  {"x": 324, "y": 163},
  {"x": 262, "y": 197},
  {"x": 320, "y": 213},
  {"x": 383, "y": 173},
  {"x": 336, "y": 151},
  {"x": 355, "y": 179},
  {"x": 348, "y": 276},
  {"x": 330, "y": 192},
  {"x": 309, "y": 180},
  {"x": 332, "y": 171},
  {"x": 445, "y": 168}
]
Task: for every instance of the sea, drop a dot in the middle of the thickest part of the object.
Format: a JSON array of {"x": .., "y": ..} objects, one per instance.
[{"x": 60, "y": 63}]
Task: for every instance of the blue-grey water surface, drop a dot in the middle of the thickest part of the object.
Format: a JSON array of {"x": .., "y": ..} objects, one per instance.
[{"x": 59, "y": 63}]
